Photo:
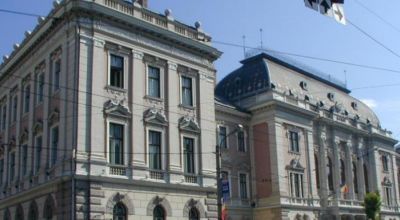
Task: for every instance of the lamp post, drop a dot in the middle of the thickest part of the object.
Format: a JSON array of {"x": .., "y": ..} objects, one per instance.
[{"x": 238, "y": 128}]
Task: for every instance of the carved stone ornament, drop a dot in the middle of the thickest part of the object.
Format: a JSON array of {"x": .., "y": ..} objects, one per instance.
[
  {"x": 120, "y": 198},
  {"x": 24, "y": 136},
  {"x": 386, "y": 182},
  {"x": 155, "y": 116},
  {"x": 37, "y": 127},
  {"x": 54, "y": 117},
  {"x": 295, "y": 165},
  {"x": 189, "y": 124},
  {"x": 41, "y": 68},
  {"x": 26, "y": 79},
  {"x": 56, "y": 54},
  {"x": 114, "y": 108}
]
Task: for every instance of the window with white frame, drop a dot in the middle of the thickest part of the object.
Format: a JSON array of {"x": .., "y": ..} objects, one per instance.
[
  {"x": 155, "y": 160},
  {"x": 24, "y": 167},
  {"x": 294, "y": 141},
  {"x": 187, "y": 90},
  {"x": 56, "y": 74},
  {"x": 222, "y": 138},
  {"x": 40, "y": 88},
  {"x": 188, "y": 147},
  {"x": 154, "y": 82},
  {"x": 54, "y": 145},
  {"x": 296, "y": 184},
  {"x": 38, "y": 153},
  {"x": 14, "y": 110},
  {"x": 388, "y": 195},
  {"x": 116, "y": 71},
  {"x": 27, "y": 98},
  {"x": 385, "y": 163},
  {"x": 4, "y": 117},
  {"x": 241, "y": 141},
  {"x": 243, "y": 186},
  {"x": 116, "y": 143},
  {"x": 12, "y": 166}
]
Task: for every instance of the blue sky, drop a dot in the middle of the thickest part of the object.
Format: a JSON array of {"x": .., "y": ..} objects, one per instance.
[{"x": 287, "y": 26}]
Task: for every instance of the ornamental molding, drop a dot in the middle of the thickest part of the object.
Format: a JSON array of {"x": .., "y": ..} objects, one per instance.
[
  {"x": 54, "y": 117},
  {"x": 155, "y": 116},
  {"x": 156, "y": 45},
  {"x": 117, "y": 109},
  {"x": 295, "y": 165},
  {"x": 120, "y": 198},
  {"x": 56, "y": 55},
  {"x": 41, "y": 68},
  {"x": 386, "y": 181},
  {"x": 153, "y": 60},
  {"x": 189, "y": 124},
  {"x": 192, "y": 203},
  {"x": 24, "y": 136},
  {"x": 37, "y": 127},
  {"x": 159, "y": 201}
]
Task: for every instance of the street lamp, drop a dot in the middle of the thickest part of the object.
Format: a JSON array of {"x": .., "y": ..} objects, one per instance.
[{"x": 238, "y": 128}]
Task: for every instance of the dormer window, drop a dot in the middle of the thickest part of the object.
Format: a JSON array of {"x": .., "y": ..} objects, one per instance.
[
  {"x": 331, "y": 96},
  {"x": 303, "y": 85},
  {"x": 354, "y": 105}
]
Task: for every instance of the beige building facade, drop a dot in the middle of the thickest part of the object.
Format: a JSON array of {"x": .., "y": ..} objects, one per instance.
[
  {"x": 311, "y": 151},
  {"x": 102, "y": 116}
]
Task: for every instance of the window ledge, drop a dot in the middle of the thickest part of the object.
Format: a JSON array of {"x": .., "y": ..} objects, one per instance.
[
  {"x": 294, "y": 152},
  {"x": 117, "y": 89},
  {"x": 187, "y": 107},
  {"x": 152, "y": 98}
]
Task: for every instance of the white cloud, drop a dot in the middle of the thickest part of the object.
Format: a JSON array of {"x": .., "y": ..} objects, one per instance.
[{"x": 370, "y": 102}]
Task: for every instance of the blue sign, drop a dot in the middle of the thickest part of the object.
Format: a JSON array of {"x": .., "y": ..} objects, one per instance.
[{"x": 225, "y": 189}]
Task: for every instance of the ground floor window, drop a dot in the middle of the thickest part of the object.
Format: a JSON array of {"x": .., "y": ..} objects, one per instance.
[
  {"x": 194, "y": 214},
  {"x": 119, "y": 212},
  {"x": 159, "y": 213}
]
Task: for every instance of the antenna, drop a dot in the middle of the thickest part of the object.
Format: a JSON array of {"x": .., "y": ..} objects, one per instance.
[
  {"x": 345, "y": 78},
  {"x": 244, "y": 45},
  {"x": 261, "y": 37}
]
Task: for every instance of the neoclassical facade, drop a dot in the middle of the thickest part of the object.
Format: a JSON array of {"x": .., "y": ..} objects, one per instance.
[
  {"x": 309, "y": 150},
  {"x": 102, "y": 116}
]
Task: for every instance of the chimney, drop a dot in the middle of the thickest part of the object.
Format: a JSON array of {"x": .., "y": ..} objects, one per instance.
[{"x": 143, "y": 3}]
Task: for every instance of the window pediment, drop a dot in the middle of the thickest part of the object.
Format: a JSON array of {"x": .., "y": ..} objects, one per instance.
[
  {"x": 189, "y": 124},
  {"x": 295, "y": 165},
  {"x": 54, "y": 117},
  {"x": 37, "y": 127},
  {"x": 155, "y": 116},
  {"x": 386, "y": 181},
  {"x": 115, "y": 108},
  {"x": 24, "y": 136}
]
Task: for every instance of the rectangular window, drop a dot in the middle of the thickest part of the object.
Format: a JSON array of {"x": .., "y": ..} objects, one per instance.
[
  {"x": 24, "y": 159},
  {"x": 154, "y": 82},
  {"x": 116, "y": 71},
  {"x": 38, "y": 153},
  {"x": 27, "y": 98},
  {"x": 388, "y": 196},
  {"x": 40, "y": 88},
  {"x": 155, "y": 150},
  {"x": 4, "y": 117},
  {"x": 12, "y": 166},
  {"x": 222, "y": 137},
  {"x": 1, "y": 171},
  {"x": 187, "y": 91},
  {"x": 294, "y": 142},
  {"x": 188, "y": 144},
  {"x": 241, "y": 144},
  {"x": 14, "y": 109},
  {"x": 243, "y": 186},
  {"x": 296, "y": 185},
  {"x": 56, "y": 75},
  {"x": 116, "y": 142},
  {"x": 54, "y": 145}
]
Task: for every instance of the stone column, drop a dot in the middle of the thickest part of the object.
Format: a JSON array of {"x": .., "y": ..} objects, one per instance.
[
  {"x": 360, "y": 169},
  {"x": 324, "y": 188},
  {"x": 349, "y": 170},
  {"x": 375, "y": 170},
  {"x": 313, "y": 193},
  {"x": 336, "y": 168},
  {"x": 395, "y": 180}
]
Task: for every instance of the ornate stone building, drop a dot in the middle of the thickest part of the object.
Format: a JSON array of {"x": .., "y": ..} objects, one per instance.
[
  {"x": 102, "y": 116},
  {"x": 309, "y": 150}
]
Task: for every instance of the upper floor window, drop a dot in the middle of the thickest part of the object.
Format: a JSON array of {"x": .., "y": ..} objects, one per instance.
[
  {"x": 38, "y": 153},
  {"x": 1, "y": 171},
  {"x": 222, "y": 137},
  {"x": 116, "y": 71},
  {"x": 154, "y": 82},
  {"x": 388, "y": 196},
  {"x": 187, "y": 91},
  {"x": 296, "y": 185},
  {"x": 355, "y": 178},
  {"x": 330, "y": 174},
  {"x": 317, "y": 170},
  {"x": 27, "y": 98},
  {"x": 40, "y": 88},
  {"x": 241, "y": 141},
  {"x": 385, "y": 163},
  {"x": 54, "y": 146},
  {"x": 3, "y": 117},
  {"x": 155, "y": 150},
  {"x": 14, "y": 109},
  {"x": 294, "y": 141},
  {"x": 189, "y": 155},
  {"x": 56, "y": 74},
  {"x": 342, "y": 173},
  {"x": 24, "y": 159},
  {"x": 243, "y": 186},
  {"x": 116, "y": 142},
  {"x": 12, "y": 166}
]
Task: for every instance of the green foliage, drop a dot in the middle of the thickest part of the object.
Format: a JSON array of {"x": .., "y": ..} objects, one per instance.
[{"x": 372, "y": 205}]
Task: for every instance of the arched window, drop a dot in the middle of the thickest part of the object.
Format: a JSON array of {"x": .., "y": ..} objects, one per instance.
[
  {"x": 33, "y": 214},
  {"x": 159, "y": 213},
  {"x": 366, "y": 178},
  {"x": 119, "y": 212},
  {"x": 194, "y": 214},
  {"x": 19, "y": 214},
  {"x": 330, "y": 174},
  {"x": 342, "y": 173},
  {"x": 48, "y": 208},
  {"x": 355, "y": 180},
  {"x": 316, "y": 170}
]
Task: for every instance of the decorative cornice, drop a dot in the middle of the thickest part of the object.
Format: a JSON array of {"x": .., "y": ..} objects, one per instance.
[
  {"x": 155, "y": 116},
  {"x": 113, "y": 108},
  {"x": 189, "y": 124}
]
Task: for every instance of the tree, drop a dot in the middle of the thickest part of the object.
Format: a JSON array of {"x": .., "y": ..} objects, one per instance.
[{"x": 372, "y": 205}]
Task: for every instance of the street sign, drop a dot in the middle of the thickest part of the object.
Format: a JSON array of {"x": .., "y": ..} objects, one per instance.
[{"x": 225, "y": 189}]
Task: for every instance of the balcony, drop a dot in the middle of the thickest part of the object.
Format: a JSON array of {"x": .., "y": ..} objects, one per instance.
[
  {"x": 117, "y": 170},
  {"x": 157, "y": 174},
  {"x": 191, "y": 178},
  {"x": 299, "y": 201}
]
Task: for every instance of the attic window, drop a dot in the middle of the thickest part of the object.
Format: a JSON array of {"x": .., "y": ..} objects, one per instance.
[
  {"x": 304, "y": 85},
  {"x": 321, "y": 104},
  {"x": 306, "y": 98},
  {"x": 331, "y": 96},
  {"x": 354, "y": 105},
  {"x": 273, "y": 86}
]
